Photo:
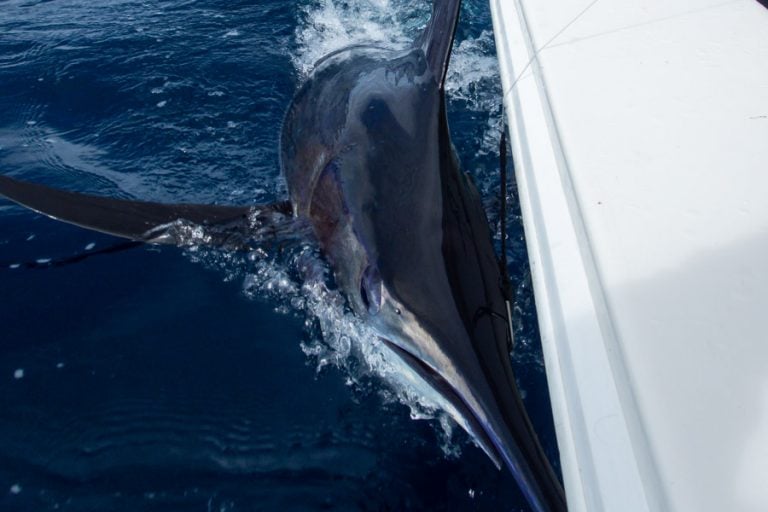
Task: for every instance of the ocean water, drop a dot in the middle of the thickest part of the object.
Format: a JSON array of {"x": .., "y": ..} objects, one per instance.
[{"x": 155, "y": 378}]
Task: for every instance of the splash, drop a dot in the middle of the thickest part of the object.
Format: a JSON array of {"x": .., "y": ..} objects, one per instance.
[
  {"x": 329, "y": 25},
  {"x": 473, "y": 84},
  {"x": 473, "y": 74}
]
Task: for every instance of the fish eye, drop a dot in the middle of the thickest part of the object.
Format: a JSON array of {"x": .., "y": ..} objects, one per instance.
[{"x": 370, "y": 289}]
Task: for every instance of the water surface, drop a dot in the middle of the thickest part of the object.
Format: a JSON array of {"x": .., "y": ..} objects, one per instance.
[{"x": 155, "y": 378}]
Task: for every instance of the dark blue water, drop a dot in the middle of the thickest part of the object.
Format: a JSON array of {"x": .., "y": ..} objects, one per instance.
[{"x": 165, "y": 379}]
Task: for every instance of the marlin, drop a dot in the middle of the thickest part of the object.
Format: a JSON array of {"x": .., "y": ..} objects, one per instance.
[{"x": 367, "y": 156}]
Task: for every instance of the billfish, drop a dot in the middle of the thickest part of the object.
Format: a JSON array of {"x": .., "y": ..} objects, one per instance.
[{"x": 367, "y": 156}]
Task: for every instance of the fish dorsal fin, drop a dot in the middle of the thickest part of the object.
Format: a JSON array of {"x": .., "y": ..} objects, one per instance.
[
  {"x": 437, "y": 39},
  {"x": 177, "y": 224}
]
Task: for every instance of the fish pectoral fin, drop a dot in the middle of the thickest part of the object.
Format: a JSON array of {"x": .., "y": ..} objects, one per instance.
[{"x": 232, "y": 227}]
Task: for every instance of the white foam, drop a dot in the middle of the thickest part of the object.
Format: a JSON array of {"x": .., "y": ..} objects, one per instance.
[
  {"x": 328, "y": 26},
  {"x": 161, "y": 104},
  {"x": 18, "y": 373},
  {"x": 473, "y": 79},
  {"x": 15, "y": 489},
  {"x": 473, "y": 74},
  {"x": 30, "y": 238},
  {"x": 232, "y": 33},
  {"x": 90, "y": 246}
]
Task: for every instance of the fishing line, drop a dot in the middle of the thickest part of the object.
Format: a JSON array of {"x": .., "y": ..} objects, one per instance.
[{"x": 544, "y": 46}]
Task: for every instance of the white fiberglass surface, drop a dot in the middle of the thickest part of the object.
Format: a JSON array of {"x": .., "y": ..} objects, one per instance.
[{"x": 657, "y": 113}]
